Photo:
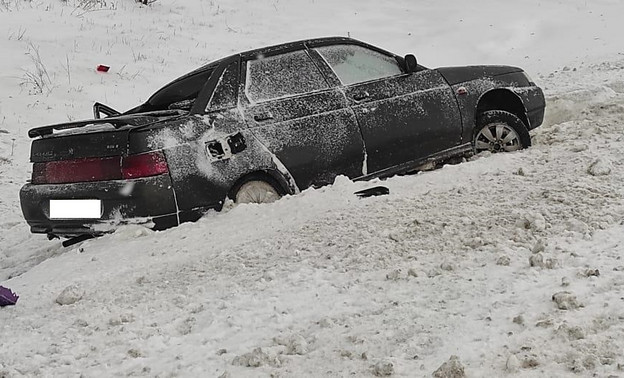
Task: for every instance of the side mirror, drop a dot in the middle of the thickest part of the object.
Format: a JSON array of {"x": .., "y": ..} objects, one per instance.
[{"x": 410, "y": 63}]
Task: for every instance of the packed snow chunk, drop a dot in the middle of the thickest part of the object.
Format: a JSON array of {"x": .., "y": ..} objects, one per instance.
[
  {"x": 448, "y": 266},
  {"x": 579, "y": 148},
  {"x": 532, "y": 220},
  {"x": 326, "y": 323},
  {"x": 432, "y": 273},
  {"x": 132, "y": 231},
  {"x": 503, "y": 261},
  {"x": 536, "y": 260},
  {"x": 551, "y": 263},
  {"x": 269, "y": 276},
  {"x": 530, "y": 362},
  {"x": 565, "y": 300},
  {"x": 9, "y": 373},
  {"x": 342, "y": 182},
  {"x": 394, "y": 275},
  {"x": 256, "y": 358},
  {"x": 135, "y": 353},
  {"x": 539, "y": 246},
  {"x": 545, "y": 323},
  {"x": 591, "y": 273},
  {"x": 121, "y": 319},
  {"x": 518, "y": 320},
  {"x": 600, "y": 167},
  {"x": 576, "y": 225},
  {"x": 581, "y": 364},
  {"x": 70, "y": 295},
  {"x": 412, "y": 272},
  {"x": 383, "y": 368},
  {"x": 512, "y": 365},
  {"x": 295, "y": 344},
  {"x": 571, "y": 333},
  {"x": 450, "y": 369},
  {"x": 186, "y": 326}
]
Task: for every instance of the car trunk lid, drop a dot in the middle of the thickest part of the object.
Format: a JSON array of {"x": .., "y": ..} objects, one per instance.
[
  {"x": 104, "y": 137},
  {"x": 113, "y": 142},
  {"x": 140, "y": 119}
]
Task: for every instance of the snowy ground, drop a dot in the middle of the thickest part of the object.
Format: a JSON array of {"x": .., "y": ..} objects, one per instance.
[{"x": 465, "y": 260}]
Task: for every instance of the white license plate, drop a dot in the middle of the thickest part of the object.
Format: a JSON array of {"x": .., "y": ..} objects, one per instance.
[{"x": 76, "y": 209}]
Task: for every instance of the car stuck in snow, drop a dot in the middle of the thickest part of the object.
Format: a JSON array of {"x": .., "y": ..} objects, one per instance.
[{"x": 265, "y": 123}]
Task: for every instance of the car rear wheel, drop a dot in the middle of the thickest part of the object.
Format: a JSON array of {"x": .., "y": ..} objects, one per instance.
[
  {"x": 256, "y": 191},
  {"x": 500, "y": 131}
]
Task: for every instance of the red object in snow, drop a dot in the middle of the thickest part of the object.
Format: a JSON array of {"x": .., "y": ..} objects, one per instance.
[{"x": 102, "y": 68}]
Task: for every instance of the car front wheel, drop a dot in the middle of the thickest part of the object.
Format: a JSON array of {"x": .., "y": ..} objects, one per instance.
[{"x": 500, "y": 131}]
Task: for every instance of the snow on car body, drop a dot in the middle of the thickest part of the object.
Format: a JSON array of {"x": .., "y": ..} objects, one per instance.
[{"x": 270, "y": 122}]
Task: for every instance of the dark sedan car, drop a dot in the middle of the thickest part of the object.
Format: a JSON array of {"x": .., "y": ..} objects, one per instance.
[{"x": 264, "y": 123}]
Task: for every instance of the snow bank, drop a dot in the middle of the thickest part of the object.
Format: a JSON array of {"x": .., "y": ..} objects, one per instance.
[{"x": 324, "y": 283}]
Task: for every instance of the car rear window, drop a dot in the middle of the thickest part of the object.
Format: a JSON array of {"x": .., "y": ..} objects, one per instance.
[
  {"x": 181, "y": 92},
  {"x": 283, "y": 75},
  {"x": 355, "y": 64}
]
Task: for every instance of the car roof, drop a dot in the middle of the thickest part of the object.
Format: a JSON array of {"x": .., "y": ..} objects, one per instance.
[
  {"x": 262, "y": 52},
  {"x": 310, "y": 43},
  {"x": 286, "y": 47}
]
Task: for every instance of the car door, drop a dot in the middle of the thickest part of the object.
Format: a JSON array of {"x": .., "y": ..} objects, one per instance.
[
  {"x": 403, "y": 117},
  {"x": 305, "y": 123}
]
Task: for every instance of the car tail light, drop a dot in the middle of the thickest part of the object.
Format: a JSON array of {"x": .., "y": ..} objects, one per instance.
[
  {"x": 77, "y": 170},
  {"x": 144, "y": 165},
  {"x": 99, "y": 169}
]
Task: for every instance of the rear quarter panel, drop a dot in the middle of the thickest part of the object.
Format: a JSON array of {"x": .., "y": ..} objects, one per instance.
[{"x": 200, "y": 180}]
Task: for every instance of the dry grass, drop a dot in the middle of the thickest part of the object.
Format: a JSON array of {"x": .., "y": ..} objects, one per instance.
[{"x": 37, "y": 79}]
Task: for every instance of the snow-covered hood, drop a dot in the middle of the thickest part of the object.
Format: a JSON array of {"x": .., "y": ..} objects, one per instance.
[{"x": 457, "y": 75}]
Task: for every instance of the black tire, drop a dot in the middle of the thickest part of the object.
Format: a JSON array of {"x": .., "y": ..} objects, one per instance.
[
  {"x": 500, "y": 131},
  {"x": 260, "y": 181}
]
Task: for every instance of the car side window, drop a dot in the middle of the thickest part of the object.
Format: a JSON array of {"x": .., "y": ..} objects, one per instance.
[
  {"x": 224, "y": 95},
  {"x": 281, "y": 76},
  {"x": 355, "y": 64}
]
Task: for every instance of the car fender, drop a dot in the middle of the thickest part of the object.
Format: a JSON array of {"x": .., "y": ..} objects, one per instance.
[
  {"x": 505, "y": 98},
  {"x": 468, "y": 95},
  {"x": 477, "y": 96}
]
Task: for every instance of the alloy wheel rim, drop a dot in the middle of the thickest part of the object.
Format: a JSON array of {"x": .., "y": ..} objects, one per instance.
[{"x": 497, "y": 137}]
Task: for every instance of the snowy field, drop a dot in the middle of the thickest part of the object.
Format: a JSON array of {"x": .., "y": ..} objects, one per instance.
[{"x": 512, "y": 263}]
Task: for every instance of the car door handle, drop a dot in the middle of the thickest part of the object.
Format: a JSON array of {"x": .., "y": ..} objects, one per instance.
[
  {"x": 263, "y": 116},
  {"x": 361, "y": 96}
]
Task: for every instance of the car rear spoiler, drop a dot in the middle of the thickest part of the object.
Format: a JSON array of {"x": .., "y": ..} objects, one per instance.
[{"x": 118, "y": 121}]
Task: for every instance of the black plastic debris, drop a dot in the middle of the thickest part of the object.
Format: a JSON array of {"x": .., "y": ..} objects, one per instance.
[
  {"x": 76, "y": 240},
  {"x": 374, "y": 191}
]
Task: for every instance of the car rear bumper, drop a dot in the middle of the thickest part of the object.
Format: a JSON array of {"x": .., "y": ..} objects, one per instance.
[{"x": 149, "y": 201}]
